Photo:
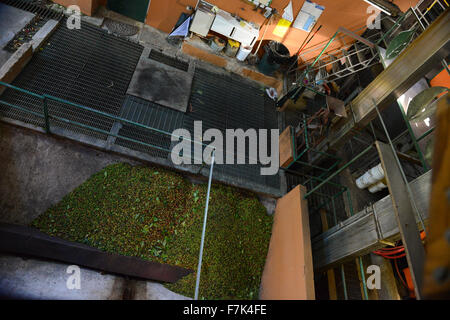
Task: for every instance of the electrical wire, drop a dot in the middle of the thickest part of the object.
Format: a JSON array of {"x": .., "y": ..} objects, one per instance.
[
  {"x": 399, "y": 275},
  {"x": 395, "y": 253}
]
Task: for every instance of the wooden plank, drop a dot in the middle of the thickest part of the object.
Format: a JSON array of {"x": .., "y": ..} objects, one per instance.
[
  {"x": 405, "y": 215},
  {"x": 330, "y": 272},
  {"x": 28, "y": 241},
  {"x": 286, "y": 148},
  {"x": 288, "y": 273},
  {"x": 362, "y": 233},
  {"x": 437, "y": 261}
]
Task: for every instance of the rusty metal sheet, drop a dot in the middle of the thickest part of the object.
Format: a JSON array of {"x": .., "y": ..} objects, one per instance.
[{"x": 28, "y": 241}]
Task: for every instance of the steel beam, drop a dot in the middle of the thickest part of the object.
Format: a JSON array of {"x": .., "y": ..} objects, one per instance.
[
  {"x": 404, "y": 214},
  {"x": 367, "y": 230}
]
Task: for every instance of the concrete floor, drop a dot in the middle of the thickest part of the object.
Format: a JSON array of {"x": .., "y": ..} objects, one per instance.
[
  {"x": 39, "y": 170},
  {"x": 36, "y": 279},
  {"x": 12, "y": 21}
]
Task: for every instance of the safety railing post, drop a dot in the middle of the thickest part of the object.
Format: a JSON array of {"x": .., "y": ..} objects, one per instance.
[
  {"x": 45, "y": 107},
  {"x": 205, "y": 218}
]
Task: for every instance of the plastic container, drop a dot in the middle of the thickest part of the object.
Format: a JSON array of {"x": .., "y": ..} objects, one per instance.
[
  {"x": 276, "y": 55},
  {"x": 217, "y": 44},
  {"x": 232, "y": 48},
  {"x": 266, "y": 66},
  {"x": 243, "y": 53}
]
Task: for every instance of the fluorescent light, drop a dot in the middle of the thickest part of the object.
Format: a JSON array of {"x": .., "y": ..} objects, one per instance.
[{"x": 378, "y": 7}]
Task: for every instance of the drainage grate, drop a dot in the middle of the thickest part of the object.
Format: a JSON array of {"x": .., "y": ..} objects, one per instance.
[
  {"x": 230, "y": 102},
  {"x": 31, "y": 6},
  {"x": 170, "y": 61},
  {"x": 153, "y": 115},
  {"x": 87, "y": 66}
]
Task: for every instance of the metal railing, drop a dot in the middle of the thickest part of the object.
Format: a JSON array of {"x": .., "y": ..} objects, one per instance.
[{"x": 45, "y": 114}]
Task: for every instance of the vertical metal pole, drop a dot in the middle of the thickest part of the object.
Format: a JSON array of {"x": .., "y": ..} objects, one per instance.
[
  {"x": 363, "y": 279},
  {"x": 334, "y": 211},
  {"x": 414, "y": 139},
  {"x": 344, "y": 285},
  {"x": 199, "y": 267},
  {"x": 47, "y": 122}
]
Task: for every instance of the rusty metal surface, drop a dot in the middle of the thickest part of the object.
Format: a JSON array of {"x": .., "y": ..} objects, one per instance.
[{"x": 28, "y": 241}]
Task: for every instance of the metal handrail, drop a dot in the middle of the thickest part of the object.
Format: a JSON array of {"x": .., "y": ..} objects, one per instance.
[{"x": 45, "y": 97}]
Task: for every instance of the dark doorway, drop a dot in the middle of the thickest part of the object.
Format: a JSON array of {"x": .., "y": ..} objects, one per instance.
[{"x": 135, "y": 9}]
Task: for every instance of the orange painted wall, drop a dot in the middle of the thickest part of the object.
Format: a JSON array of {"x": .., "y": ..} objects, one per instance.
[
  {"x": 288, "y": 273},
  {"x": 86, "y": 6},
  {"x": 351, "y": 14}
]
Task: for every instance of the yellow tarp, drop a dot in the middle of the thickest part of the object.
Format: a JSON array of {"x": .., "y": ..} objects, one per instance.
[{"x": 282, "y": 28}]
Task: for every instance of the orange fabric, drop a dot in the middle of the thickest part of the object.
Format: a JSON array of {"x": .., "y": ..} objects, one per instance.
[
  {"x": 409, "y": 282},
  {"x": 441, "y": 80}
]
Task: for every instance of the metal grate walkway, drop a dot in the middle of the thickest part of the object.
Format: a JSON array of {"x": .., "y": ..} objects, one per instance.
[
  {"x": 86, "y": 66},
  {"x": 93, "y": 68}
]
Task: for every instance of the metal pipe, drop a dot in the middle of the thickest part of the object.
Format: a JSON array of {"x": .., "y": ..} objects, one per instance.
[
  {"x": 413, "y": 138},
  {"x": 344, "y": 285},
  {"x": 339, "y": 170},
  {"x": 47, "y": 122},
  {"x": 399, "y": 20},
  {"x": 107, "y": 133},
  {"x": 426, "y": 134},
  {"x": 49, "y": 97},
  {"x": 199, "y": 267},
  {"x": 21, "y": 90},
  {"x": 363, "y": 279},
  {"x": 21, "y": 109},
  {"x": 334, "y": 211}
]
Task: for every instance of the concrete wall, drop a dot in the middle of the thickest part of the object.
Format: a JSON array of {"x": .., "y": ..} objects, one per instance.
[{"x": 350, "y": 14}]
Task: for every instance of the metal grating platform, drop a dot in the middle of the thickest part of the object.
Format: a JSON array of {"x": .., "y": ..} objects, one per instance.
[
  {"x": 230, "y": 102},
  {"x": 86, "y": 66},
  {"x": 220, "y": 102},
  {"x": 93, "y": 68},
  {"x": 41, "y": 15},
  {"x": 152, "y": 115},
  {"x": 33, "y": 7}
]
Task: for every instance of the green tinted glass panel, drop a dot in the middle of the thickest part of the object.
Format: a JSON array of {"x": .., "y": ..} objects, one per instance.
[{"x": 136, "y": 9}]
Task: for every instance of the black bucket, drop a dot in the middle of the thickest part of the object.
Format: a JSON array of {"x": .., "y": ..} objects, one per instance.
[{"x": 278, "y": 53}]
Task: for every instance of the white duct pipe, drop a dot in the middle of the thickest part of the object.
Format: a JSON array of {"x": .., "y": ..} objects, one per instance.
[
  {"x": 377, "y": 187},
  {"x": 371, "y": 177}
]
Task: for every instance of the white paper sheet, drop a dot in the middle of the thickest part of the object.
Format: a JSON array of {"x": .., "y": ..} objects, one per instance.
[{"x": 308, "y": 16}]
